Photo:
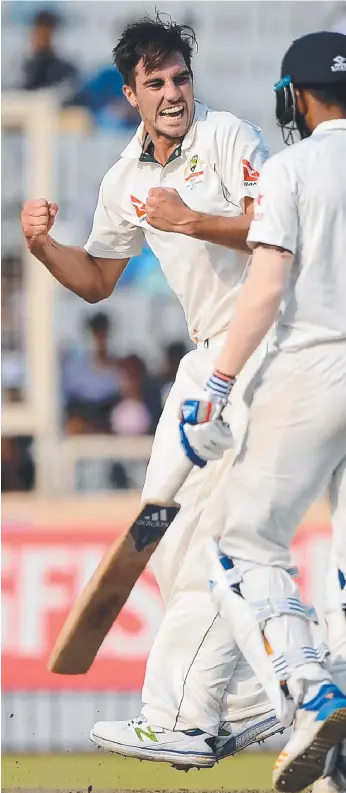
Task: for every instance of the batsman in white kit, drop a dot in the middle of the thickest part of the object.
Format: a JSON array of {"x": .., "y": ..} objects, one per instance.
[
  {"x": 295, "y": 444},
  {"x": 185, "y": 184}
]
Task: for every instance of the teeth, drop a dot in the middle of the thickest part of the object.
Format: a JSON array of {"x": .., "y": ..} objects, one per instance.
[{"x": 169, "y": 111}]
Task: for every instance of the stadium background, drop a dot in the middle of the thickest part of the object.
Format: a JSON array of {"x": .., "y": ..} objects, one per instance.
[{"x": 74, "y": 454}]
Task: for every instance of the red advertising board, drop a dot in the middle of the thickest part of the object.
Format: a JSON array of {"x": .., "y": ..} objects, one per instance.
[{"x": 43, "y": 570}]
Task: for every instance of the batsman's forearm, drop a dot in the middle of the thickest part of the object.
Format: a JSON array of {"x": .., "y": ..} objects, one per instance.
[
  {"x": 229, "y": 232},
  {"x": 257, "y": 307},
  {"x": 73, "y": 267},
  {"x": 251, "y": 323}
]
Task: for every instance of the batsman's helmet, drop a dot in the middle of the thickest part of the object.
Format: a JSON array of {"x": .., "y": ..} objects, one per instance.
[{"x": 316, "y": 60}]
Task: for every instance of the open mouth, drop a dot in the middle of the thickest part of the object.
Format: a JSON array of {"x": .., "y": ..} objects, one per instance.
[{"x": 176, "y": 112}]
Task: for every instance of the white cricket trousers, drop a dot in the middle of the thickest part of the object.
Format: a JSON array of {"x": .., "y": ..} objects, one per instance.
[
  {"x": 294, "y": 451},
  {"x": 193, "y": 657}
]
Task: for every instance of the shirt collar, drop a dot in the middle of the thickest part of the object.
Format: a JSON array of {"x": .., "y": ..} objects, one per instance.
[
  {"x": 333, "y": 123},
  {"x": 135, "y": 147}
]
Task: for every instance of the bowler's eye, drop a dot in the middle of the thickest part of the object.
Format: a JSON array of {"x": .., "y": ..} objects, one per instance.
[
  {"x": 155, "y": 84},
  {"x": 180, "y": 79}
]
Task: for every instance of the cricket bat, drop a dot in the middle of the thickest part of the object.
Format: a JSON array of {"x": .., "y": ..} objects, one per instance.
[{"x": 108, "y": 589}]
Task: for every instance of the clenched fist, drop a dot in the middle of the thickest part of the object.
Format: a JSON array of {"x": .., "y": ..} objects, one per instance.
[
  {"x": 167, "y": 211},
  {"x": 37, "y": 219}
]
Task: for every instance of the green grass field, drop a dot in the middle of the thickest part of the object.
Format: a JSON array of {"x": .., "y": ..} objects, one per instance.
[{"x": 108, "y": 772}]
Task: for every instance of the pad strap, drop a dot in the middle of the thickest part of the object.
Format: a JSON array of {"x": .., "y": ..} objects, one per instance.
[
  {"x": 285, "y": 663},
  {"x": 274, "y": 607}
]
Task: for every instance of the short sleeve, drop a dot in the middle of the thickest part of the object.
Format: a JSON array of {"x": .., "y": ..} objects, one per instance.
[
  {"x": 275, "y": 220},
  {"x": 112, "y": 237},
  {"x": 244, "y": 153}
]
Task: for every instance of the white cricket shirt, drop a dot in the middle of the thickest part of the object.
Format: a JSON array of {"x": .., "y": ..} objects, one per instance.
[
  {"x": 214, "y": 169},
  {"x": 301, "y": 206}
]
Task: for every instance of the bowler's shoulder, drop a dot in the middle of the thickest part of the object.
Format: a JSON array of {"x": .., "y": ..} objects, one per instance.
[
  {"x": 226, "y": 123},
  {"x": 117, "y": 176}
]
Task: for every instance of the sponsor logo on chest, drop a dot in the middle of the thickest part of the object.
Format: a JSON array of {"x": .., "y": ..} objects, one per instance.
[
  {"x": 251, "y": 176},
  {"x": 140, "y": 208}
]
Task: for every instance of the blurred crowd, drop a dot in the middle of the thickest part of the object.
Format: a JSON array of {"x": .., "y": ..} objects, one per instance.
[
  {"x": 106, "y": 394},
  {"x": 101, "y": 393},
  {"x": 44, "y": 67}
]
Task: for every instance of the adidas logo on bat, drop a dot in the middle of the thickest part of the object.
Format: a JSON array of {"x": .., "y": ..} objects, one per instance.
[
  {"x": 151, "y": 524},
  {"x": 156, "y": 520},
  {"x": 162, "y": 515}
]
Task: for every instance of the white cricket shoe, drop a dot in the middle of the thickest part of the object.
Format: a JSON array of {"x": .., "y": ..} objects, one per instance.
[
  {"x": 237, "y": 735},
  {"x": 137, "y": 738},
  {"x": 319, "y": 725}
]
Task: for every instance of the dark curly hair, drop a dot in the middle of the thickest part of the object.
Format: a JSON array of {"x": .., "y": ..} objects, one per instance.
[{"x": 152, "y": 40}]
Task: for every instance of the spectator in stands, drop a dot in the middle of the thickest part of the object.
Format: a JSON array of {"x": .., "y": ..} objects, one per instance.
[
  {"x": 139, "y": 410},
  {"x": 91, "y": 382},
  {"x": 13, "y": 323},
  {"x": 17, "y": 467},
  {"x": 44, "y": 68},
  {"x": 102, "y": 94},
  {"x": 174, "y": 352}
]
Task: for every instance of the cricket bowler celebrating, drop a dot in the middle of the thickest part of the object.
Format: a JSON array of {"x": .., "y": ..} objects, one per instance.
[
  {"x": 295, "y": 446},
  {"x": 186, "y": 184}
]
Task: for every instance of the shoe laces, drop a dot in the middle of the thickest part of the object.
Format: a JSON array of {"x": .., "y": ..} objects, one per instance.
[{"x": 137, "y": 722}]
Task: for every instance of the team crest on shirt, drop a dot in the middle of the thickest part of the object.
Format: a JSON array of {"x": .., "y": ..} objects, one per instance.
[
  {"x": 251, "y": 176},
  {"x": 140, "y": 208},
  {"x": 194, "y": 171}
]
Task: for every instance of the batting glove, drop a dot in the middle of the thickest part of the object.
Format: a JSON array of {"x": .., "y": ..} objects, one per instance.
[
  {"x": 203, "y": 433},
  {"x": 204, "y": 442}
]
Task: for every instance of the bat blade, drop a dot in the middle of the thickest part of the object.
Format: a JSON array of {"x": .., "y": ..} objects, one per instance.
[{"x": 107, "y": 591}]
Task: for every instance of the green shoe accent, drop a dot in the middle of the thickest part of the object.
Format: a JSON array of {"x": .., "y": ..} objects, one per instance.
[{"x": 148, "y": 733}]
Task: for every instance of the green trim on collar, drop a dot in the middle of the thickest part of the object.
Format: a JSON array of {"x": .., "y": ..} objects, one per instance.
[
  {"x": 176, "y": 153},
  {"x": 147, "y": 154}
]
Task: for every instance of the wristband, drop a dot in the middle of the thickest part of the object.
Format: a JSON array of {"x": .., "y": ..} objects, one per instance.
[{"x": 220, "y": 385}]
